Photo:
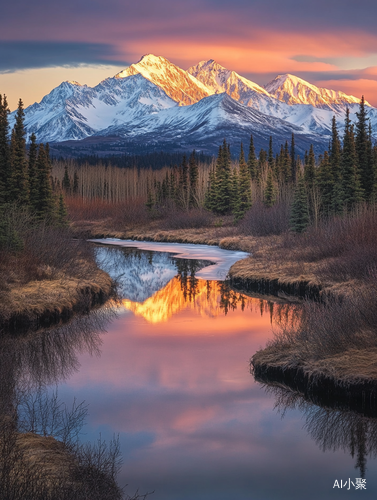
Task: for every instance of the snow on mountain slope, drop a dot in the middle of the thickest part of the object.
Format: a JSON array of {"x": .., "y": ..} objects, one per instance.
[
  {"x": 176, "y": 82},
  {"x": 293, "y": 90},
  {"x": 73, "y": 111},
  {"x": 219, "y": 79},
  {"x": 205, "y": 124}
]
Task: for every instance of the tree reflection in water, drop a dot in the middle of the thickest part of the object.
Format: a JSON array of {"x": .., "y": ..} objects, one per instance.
[
  {"x": 41, "y": 457},
  {"x": 334, "y": 428}
]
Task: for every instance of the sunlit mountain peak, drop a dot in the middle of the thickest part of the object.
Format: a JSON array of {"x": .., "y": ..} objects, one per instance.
[
  {"x": 176, "y": 82},
  {"x": 294, "y": 90}
]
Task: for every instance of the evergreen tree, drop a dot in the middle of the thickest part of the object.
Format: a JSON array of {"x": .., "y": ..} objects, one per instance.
[
  {"x": 325, "y": 183},
  {"x": 210, "y": 196},
  {"x": 271, "y": 161},
  {"x": 309, "y": 173},
  {"x": 45, "y": 205},
  {"x": 222, "y": 202},
  {"x": 75, "y": 188},
  {"x": 235, "y": 194},
  {"x": 244, "y": 188},
  {"x": 286, "y": 164},
  {"x": 299, "y": 219},
  {"x": 183, "y": 183},
  {"x": 269, "y": 192},
  {"x": 337, "y": 202},
  {"x": 252, "y": 162},
  {"x": 5, "y": 165},
  {"x": 66, "y": 182},
  {"x": 19, "y": 184},
  {"x": 194, "y": 180},
  {"x": 10, "y": 240},
  {"x": 61, "y": 215},
  {"x": 33, "y": 173},
  {"x": 335, "y": 153},
  {"x": 362, "y": 143},
  {"x": 293, "y": 159},
  {"x": 351, "y": 187}
]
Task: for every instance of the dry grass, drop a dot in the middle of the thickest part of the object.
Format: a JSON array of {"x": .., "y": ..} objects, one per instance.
[{"x": 36, "y": 299}]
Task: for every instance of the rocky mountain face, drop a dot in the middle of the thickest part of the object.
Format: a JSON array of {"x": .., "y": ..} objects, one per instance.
[{"x": 155, "y": 104}]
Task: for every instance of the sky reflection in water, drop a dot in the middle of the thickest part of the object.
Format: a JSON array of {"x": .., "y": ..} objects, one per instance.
[{"x": 173, "y": 380}]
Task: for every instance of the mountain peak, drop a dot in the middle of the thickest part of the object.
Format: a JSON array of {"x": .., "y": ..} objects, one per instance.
[
  {"x": 294, "y": 90},
  {"x": 177, "y": 83}
]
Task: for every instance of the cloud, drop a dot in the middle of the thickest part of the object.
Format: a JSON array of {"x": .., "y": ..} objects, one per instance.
[{"x": 16, "y": 55}]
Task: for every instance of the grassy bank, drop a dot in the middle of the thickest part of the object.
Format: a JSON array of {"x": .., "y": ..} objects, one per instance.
[{"x": 45, "y": 275}]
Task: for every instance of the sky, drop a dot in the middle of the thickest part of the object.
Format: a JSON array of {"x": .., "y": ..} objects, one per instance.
[{"x": 330, "y": 43}]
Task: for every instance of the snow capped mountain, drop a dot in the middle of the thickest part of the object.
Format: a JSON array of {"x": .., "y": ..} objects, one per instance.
[
  {"x": 73, "y": 111},
  {"x": 204, "y": 125},
  {"x": 154, "y": 102},
  {"x": 177, "y": 83},
  {"x": 293, "y": 90},
  {"x": 219, "y": 79}
]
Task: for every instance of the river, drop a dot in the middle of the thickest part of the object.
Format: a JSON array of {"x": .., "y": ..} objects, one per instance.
[{"x": 171, "y": 376}]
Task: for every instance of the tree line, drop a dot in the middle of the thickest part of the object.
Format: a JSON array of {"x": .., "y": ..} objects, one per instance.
[{"x": 25, "y": 176}]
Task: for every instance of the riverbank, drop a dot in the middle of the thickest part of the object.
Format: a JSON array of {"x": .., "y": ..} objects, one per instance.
[
  {"x": 43, "y": 303},
  {"x": 285, "y": 266}
]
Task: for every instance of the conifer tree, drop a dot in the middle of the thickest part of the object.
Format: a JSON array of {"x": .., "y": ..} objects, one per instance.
[
  {"x": 252, "y": 161},
  {"x": 19, "y": 184},
  {"x": 33, "y": 173},
  {"x": 286, "y": 164},
  {"x": 299, "y": 219},
  {"x": 244, "y": 188},
  {"x": 269, "y": 192},
  {"x": 293, "y": 159},
  {"x": 61, "y": 215},
  {"x": 45, "y": 205},
  {"x": 222, "y": 203},
  {"x": 271, "y": 161},
  {"x": 352, "y": 191},
  {"x": 335, "y": 152},
  {"x": 325, "y": 183},
  {"x": 194, "y": 180},
  {"x": 210, "y": 195},
  {"x": 362, "y": 141},
  {"x": 150, "y": 201},
  {"x": 309, "y": 172},
  {"x": 234, "y": 193},
  {"x": 66, "y": 182},
  {"x": 5, "y": 165},
  {"x": 183, "y": 183},
  {"x": 75, "y": 188}
]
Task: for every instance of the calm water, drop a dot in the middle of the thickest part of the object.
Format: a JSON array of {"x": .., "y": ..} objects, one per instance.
[{"x": 171, "y": 377}]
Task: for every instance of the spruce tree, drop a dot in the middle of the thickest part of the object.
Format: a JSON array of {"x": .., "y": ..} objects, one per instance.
[
  {"x": 286, "y": 164},
  {"x": 362, "y": 150},
  {"x": 222, "y": 203},
  {"x": 269, "y": 192},
  {"x": 210, "y": 195},
  {"x": 66, "y": 182},
  {"x": 45, "y": 205},
  {"x": 252, "y": 161},
  {"x": 325, "y": 183},
  {"x": 351, "y": 187},
  {"x": 5, "y": 165},
  {"x": 75, "y": 188},
  {"x": 271, "y": 161},
  {"x": 293, "y": 159},
  {"x": 194, "y": 180},
  {"x": 309, "y": 172},
  {"x": 33, "y": 173},
  {"x": 19, "y": 183},
  {"x": 61, "y": 215},
  {"x": 183, "y": 183},
  {"x": 299, "y": 219},
  {"x": 335, "y": 153},
  {"x": 244, "y": 188}
]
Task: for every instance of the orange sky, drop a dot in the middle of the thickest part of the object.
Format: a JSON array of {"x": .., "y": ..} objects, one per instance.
[{"x": 331, "y": 44}]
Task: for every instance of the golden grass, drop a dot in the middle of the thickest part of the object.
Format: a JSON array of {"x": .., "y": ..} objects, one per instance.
[
  {"x": 349, "y": 367},
  {"x": 56, "y": 295}
]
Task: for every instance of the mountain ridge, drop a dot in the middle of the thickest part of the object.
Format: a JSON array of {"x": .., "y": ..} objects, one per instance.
[{"x": 155, "y": 99}]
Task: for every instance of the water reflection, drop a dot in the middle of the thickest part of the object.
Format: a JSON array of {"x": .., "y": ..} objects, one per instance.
[{"x": 332, "y": 429}]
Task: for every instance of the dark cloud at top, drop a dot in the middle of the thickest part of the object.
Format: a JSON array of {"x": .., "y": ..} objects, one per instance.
[{"x": 16, "y": 55}]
